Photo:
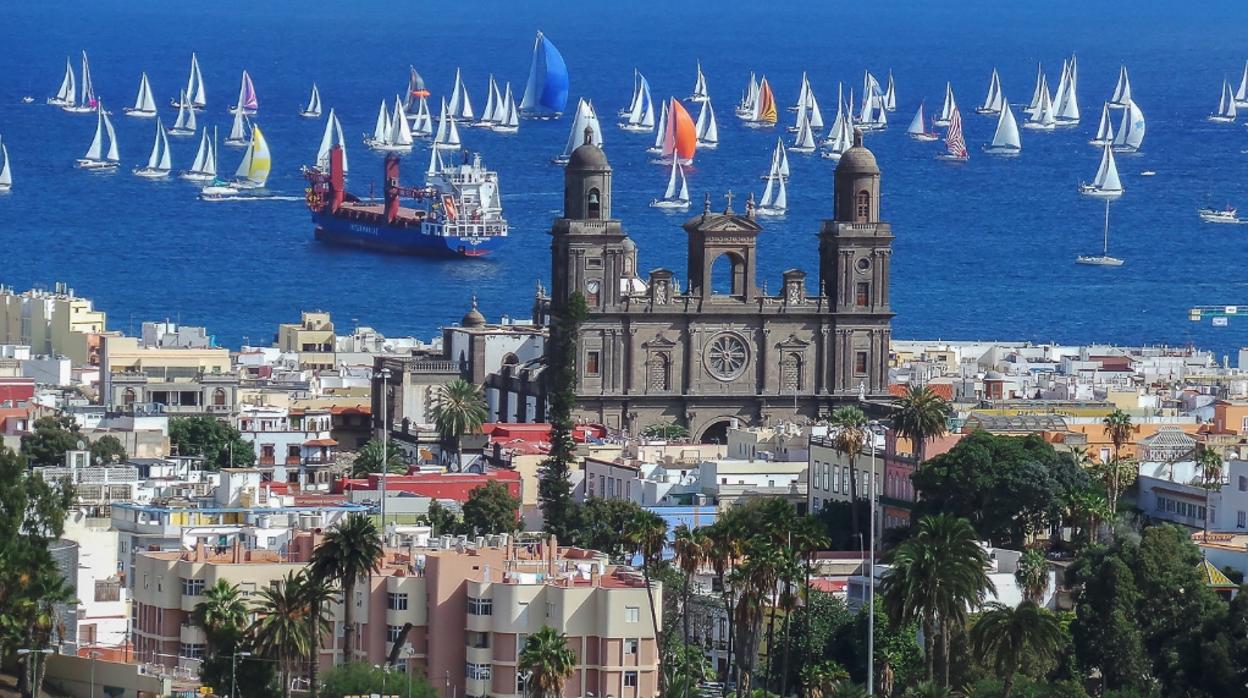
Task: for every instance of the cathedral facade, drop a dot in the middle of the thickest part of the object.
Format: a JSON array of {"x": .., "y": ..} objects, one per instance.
[{"x": 713, "y": 349}]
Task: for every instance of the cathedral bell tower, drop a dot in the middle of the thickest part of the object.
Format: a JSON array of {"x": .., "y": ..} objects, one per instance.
[{"x": 855, "y": 248}]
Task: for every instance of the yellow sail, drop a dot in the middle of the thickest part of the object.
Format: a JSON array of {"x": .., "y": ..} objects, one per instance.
[
  {"x": 766, "y": 104},
  {"x": 258, "y": 172}
]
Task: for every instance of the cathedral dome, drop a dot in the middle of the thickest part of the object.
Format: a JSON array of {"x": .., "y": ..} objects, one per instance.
[
  {"x": 588, "y": 156},
  {"x": 473, "y": 318},
  {"x": 858, "y": 160}
]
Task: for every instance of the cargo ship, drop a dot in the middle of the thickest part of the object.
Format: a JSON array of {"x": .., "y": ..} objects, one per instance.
[{"x": 457, "y": 213}]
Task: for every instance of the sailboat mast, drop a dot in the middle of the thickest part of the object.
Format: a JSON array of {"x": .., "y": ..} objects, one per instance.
[{"x": 1106, "y": 246}]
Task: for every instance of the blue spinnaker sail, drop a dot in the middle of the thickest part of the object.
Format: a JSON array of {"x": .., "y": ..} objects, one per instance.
[{"x": 546, "y": 92}]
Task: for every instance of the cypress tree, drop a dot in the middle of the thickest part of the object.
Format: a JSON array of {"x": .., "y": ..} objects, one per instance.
[{"x": 554, "y": 489}]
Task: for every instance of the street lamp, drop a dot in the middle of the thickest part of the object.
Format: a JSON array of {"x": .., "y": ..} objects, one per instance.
[
  {"x": 385, "y": 444},
  {"x": 408, "y": 653},
  {"x": 93, "y": 655},
  {"x": 871, "y": 427},
  {"x": 234, "y": 671},
  {"x": 524, "y": 683}
]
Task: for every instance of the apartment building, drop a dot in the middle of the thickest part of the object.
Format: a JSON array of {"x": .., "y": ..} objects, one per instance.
[
  {"x": 52, "y": 323},
  {"x": 293, "y": 445},
  {"x": 183, "y": 381}
]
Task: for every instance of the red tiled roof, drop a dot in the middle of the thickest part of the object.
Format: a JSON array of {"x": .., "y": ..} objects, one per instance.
[
  {"x": 942, "y": 390},
  {"x": 320, "y": 442},
  {"x": 350, "y": 409}
]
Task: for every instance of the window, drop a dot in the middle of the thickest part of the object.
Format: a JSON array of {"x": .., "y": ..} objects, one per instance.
[
  {"x": 862, "y": 207},
  {"x": 128, "y": 397},
  {"x": 827, "y": 476},
  {"x": 630, "y": 679},
  {"x": 393, "y": 632},
  {"x": 550, "y": 609},
  {"x": 591, "y": 363},
  {"x": 521, "y": 640},
  {"x": 791, "y": 373},
  {"x": 477, "y": 640},
  {"x": 593, "y": 208},
  {"x": 632, "y": 614},
  {"x": 396, "y": 602},
  {"x": 1241, "y": 519},
  {"x": 218, "y": 397},
  {"x": 477, "y": 672},
  {"x": 192, "y": 587},
  {"x": 189, "y": 650},
  {"x": 816, "y": 506},
  {"x": 860, "y": 362},
  {"x": 480, "y": 607},
  {"x": 658, "y": 372},
  {"x": 864, "y": 294},
  {"x": 1243, "y": 483}
]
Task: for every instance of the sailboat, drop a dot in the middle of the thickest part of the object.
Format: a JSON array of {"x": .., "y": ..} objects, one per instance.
[
  {"x": 1105, "y": 130},
  {"x": 6, "y": 171},
  {"x": 840, "y": 139},
  {"x": 416, "y": 90},
  {"x": 707, "y": 129},
  {"x": 460, "y": 107},
  {"x": 158, "y": 163},
  {"x": 918, "y": 131},
  {"x": 677, "y": 195},
  {"x": 313, "y": 110},
  {"x": 1065, "y": 100},
  {"x": 1226, "y": 107},
  {"x": 779, "y": 162},
  {"x": 749, "y": 98},
  {"x": 955, "y": 142},
  {"x": 1041, "y": 86},
  {"x": 185, "y": 123},
  {"x": 1106, "y": 185},
  {"x": 252, "y": 172},
  {"x": 96, "y": 159},
  {"x": 239, "y": 130},
  {"x": 247, "y": 101},
  {"x": 204, "y": 167},
  {"x": 87, "y": 102},
  {"x": 435, "y": 164},
  {"x": 67, "y": 93},
  {"x": 493, "y": 105},
  {"x": 808, "y": 107},
  {"x": 680, "y": 140},
  {"x": 994, "y": 102},
  {"x": 1042, "y": 119},
  {"x": 632, "y": 103},
  {"x": 1131, "y": 129},
  {"x": 546, "y": 92},
  {"x": 641, "y": 111},
  {"x": 330, "y": 138},
  {"x": 873, "y": 116},
  {"x": 422, "y": 120},
  {"x": 701, "y": 95},
  {"x": 1241, "y": 94},
  {"x": 585, "y": 118},
  {"x": 1103, "y": 259},
  {"x": 194, "y": 97},
  {"x": 775, "y": 201},
  {"x": 805, "y": 141},
  {"x": 144, "y": 102},
  {"x": 947, "y": 109},
  {"x": 802, "y": 94},
  {"x": 511, "y": 114},
  {"x": 1005, "y": 141},
  {"x": 397, "y": 136},
  {"x": 890, "y": 94},
  {"x": 660, "y": 133},
  {"x": 764, "y": 112},
  {"x": 1122, "y": 90}
]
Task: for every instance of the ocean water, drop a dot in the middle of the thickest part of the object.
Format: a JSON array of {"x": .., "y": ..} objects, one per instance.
[{"x": 983, "y": 250}]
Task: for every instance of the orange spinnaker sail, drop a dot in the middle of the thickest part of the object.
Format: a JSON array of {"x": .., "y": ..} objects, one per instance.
[
  {"x": 682, "y": 136},
  {"x": 766, "y": 104}
]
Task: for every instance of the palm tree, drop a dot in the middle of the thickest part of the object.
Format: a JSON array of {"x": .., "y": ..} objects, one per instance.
[
  {"x": 724, "y": 548},
  {"x": 351, "y": 550},
  {"x": 851, "y": 430},
  {"x": 1119, "y": 429},
  {"x": 689, "y": 547},
  {"x": 1033, "y": 575},
  {"x": 369, "y": 458},
  {"x": 1084, "y": 508},
  {"x": 820, "y": 678},
  {"x": 927, "y": 689},
  {"x": 935, "y": 577},
  {"x": 920, "y": 416},
  {"x": 549, "y": 661},
  {"x": 647, "y": 533},
  {"x": 281, "y": 628},
  {"x": 808, "y": 538},
  {"x": 1210, "y": 462},
  {"x": 318, "y": 594},
  {"x": 222, "y": 615},
  {"x": 458, "y": 409},
  {"x": 1008, "y": 634}
]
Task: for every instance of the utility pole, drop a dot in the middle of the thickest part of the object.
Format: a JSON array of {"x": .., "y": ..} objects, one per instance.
[
  {"x": 871, "y": 427},
  {"x": 385, "y": 446}
]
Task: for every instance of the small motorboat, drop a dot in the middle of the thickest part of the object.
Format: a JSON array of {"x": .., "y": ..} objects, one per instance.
[{"x": 1226, "y": 215}]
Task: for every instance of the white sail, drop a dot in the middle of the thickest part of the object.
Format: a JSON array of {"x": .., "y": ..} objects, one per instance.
[
  {"x": 661, "y": 132},
  {"x": 210, "y": 163},
  {"x": 154, "y": 159},
  {"x": 512, "y": 120},
  {"x": 491, "y": 92},
  {"x": 381, "y": 130},
  {"x": 314, "y": 102},
  {"x": 632, "y": 103},
  {"x": 6, "y": 172},
  {"x": 707, "y": 129},
  {"x": 144, "y": 102},
  {"x": 699, "y": 86},
  {"x": 88, "y": 89},
  {"x": 1041, "y": 85},
  {"x": 1241, "y": 94},
  {"x": 1107, "y": 174},
  {"x": 202, "y": 155},
  {"x": 67, "y": 93},
  {"x": 400, "y": 130},
  {"x": 435, "y": 163},
  {"x": 890, "y": 94},
  {"x": 185, "y": 123},
  {"x": 1105, "y": 130},
  {"x": 950, "y": 105},
  {"x": 916, "y": 127},
  {"x": 672, "y": 181},
  {"x": 341, "y": 140},
  {"x": 803, "y": 94},
  {"x": 805, "y": 141},
  {"x": 641, "y": 115},
  {"x": 238, "y": 130},
  {"x": 1006, "y": 136},
  {"x": 813, "y": 113},
  {"x": 422, "y": 122},
  {"x": 1131, "y": 129},
  {"x": 96, "y": 149},
  {"x": 586, "y": 117},
  {"x": 1226, "y": 105},
  {"x": 448, "y": 134},
  {"x": 993, "y": 102},
  {"x": 1042, "y": 117},
  {"x": 194, "y": 86},
  {"x": 781, "y": 202},
  {"x": 461, "y": 105},
  {"x": 765, "y": 201},
  {"x": 1122, "y": 91},
  {"x": 112, "y": 156},
  {"x": 500, "y": 105},
  {"x": 1066, "y": 99}
]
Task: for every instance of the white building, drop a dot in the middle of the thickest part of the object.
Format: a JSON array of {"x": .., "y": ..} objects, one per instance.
[
  {"x": 1002, "y": 564},
  {"x": 102, "y": 613},
  {"x": 292, "y": 445}
]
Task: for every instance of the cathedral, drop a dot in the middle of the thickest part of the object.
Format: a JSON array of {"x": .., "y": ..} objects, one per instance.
[{"x": 712, "y": 349}]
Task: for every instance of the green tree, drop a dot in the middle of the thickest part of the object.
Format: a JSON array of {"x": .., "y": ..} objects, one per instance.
[
  {"x": 458, "y": 409},
  {"x": 223, "y": 616},
  {"x": 363, "y": 679},
  {"x": 935, "y": 577},
  {"x": 281, "y": 626},
  {"x": 600, "y": 524},
  {"x": 107, "y": 449},
  {"x": 821, "y": 678},
  {"x": 1210, "y": 462},
  {"x": 647, "y": 533},
  {"x": 548, "y": 661},
  {"x": 316, "y": 593},
  {"x": 688, "y": 545},
  {"x": 369, "y": 458},
  {"x": 665, "y": 431},
  {"x": 350, "y": 550},
  {"x": 49, "y": 439},
  {"x": 443, "y": 521},
  {"x": 1107, "y": 639},
  {"x": 920, "y": 416},
  {"x": 218, "y": 443},
  {"x": 491, "y": 509},
  {"x": 928, "y": 689},
  {"x": 851, "y": 432},
  {"x": 554, "y": 489},
  {"x": 1032, "y": 575},
  {"x": 1007, "y": 634},
  {"x": 1119, "y": 429}
]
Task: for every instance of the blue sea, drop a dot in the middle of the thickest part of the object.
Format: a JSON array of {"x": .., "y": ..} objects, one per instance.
[{"x": 983, "y": 250}]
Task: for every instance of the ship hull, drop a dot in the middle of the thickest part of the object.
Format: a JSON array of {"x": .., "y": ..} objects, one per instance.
[{"x": 407, "y": 240}]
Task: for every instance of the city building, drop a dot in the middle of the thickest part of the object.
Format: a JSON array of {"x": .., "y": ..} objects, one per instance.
[
  {"x": 169, "y": 380},
  {"x": 52, "y": 323},
  {"x": 294, "y": 446},
  {"x": 723, "y": 349}
]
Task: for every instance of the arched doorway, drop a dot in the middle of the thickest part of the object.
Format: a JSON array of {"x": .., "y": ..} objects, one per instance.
[{"x": 716, "y": 432}]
